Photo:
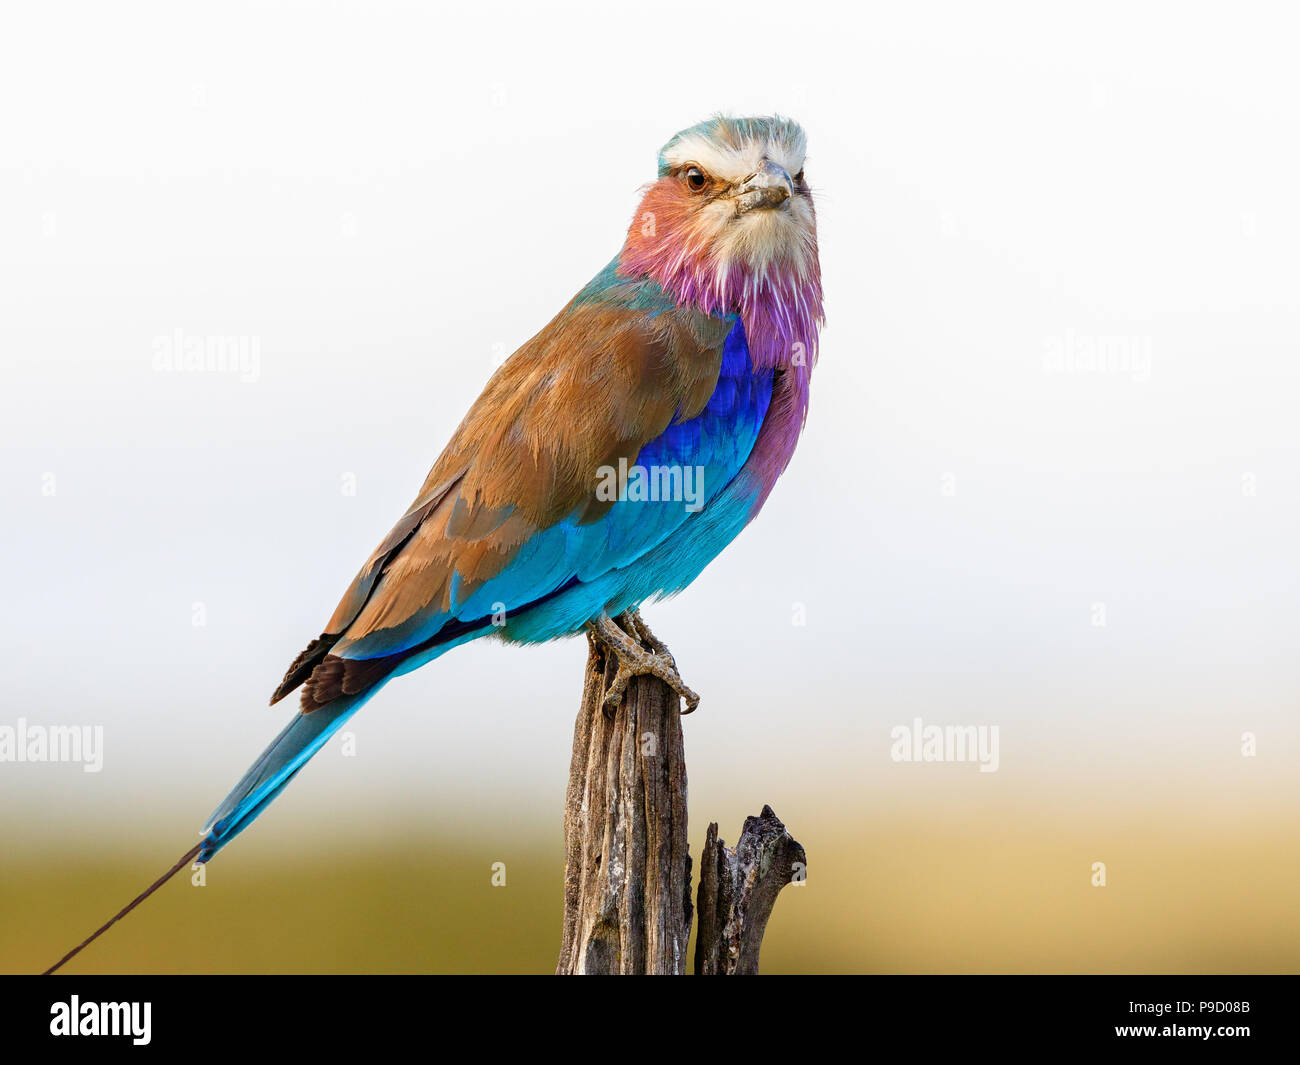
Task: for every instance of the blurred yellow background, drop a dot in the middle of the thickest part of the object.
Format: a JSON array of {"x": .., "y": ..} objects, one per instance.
[{"x": 953, "y": 887}]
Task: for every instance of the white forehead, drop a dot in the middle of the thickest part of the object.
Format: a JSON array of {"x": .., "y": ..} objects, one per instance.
[{"x": 732, "y": 149}]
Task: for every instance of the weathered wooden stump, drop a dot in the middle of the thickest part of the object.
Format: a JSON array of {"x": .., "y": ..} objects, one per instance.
[
  {"x": 738, "y": 888},
  {"x": 627, "y": 879}
]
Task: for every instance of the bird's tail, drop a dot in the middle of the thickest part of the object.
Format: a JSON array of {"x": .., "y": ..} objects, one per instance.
[
  {"x": 185, "y": 859},
  {"x": 278, "y": 764},
  {"x": 266, "y": 778}
]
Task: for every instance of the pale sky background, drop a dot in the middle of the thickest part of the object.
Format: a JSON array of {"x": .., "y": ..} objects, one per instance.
[{"x": 386, "y": 198}]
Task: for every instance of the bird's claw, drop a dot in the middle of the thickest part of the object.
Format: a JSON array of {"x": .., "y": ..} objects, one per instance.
[
  {"x": 634, "y": 660},
  {"x": 635, "y": 623}
]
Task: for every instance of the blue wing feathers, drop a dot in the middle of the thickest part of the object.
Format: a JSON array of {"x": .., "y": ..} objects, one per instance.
[
  {"x": 718, "y": 441},
  {"x": 563, "y": 576}
]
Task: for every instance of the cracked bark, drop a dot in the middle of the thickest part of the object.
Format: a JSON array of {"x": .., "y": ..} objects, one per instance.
[
  {"x": 738, "y": 888},
  {"x": 627, "y": 881}
]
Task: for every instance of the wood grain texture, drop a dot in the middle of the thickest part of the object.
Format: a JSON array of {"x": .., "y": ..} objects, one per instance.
[
  {"x": 738, "y": 888},
  {"x": 627, "y": 880}
]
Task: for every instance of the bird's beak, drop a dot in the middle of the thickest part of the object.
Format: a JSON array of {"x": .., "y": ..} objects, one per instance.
[{"x": 769, "y": 186}]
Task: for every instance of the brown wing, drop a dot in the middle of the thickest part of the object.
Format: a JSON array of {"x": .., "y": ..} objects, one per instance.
[{"x": 595, "y": 385}]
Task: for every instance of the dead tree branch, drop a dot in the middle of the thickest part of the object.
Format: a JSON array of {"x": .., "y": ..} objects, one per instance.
[
  {"x": 627, "y": 880},
  {"x": 738, "y": 888}
]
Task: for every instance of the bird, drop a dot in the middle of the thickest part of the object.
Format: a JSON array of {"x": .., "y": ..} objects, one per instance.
[{"x": 687, "y": 360}]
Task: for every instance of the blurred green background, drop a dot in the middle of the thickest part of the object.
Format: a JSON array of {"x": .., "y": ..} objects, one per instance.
[{"x": 984, "y": 888}]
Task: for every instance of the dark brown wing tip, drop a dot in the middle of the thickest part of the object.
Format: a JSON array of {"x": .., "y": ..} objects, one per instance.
[
  {"x": 302, "y": 666},
  {"x": 336, "y": 677}
]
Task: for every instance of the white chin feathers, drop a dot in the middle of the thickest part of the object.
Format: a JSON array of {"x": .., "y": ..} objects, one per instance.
[{"x": 761, "y": 239}]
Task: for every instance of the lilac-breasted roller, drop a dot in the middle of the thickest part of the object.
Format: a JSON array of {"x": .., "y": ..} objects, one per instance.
[{"x": 686, "y": 360}]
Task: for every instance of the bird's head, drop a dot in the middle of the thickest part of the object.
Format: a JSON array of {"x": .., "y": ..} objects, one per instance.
[{"x": 729, "y": 217}]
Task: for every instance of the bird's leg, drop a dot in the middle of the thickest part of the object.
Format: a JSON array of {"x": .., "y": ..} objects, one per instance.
[
  {"x": 635, "y": 661},
  {"x": 635, "y": 623}
]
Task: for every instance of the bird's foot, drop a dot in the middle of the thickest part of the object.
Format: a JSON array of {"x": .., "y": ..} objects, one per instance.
[
  {"x": 633, "y": 622},
  {"x": 634, "y": 660}
]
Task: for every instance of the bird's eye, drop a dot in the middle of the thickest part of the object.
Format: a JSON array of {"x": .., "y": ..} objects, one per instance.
[
  {"x": 695, "y": 179},
  {"x": 798, "y": 178}
]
